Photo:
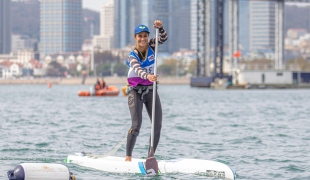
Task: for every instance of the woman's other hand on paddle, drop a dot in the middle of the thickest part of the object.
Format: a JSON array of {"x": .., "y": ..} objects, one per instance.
[
  {"x": 158, "y": 24},
  {"x": 152, "y": 78}
]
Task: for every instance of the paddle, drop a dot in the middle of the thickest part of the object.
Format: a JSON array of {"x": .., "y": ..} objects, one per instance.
[{"x": 151, "y": 164}]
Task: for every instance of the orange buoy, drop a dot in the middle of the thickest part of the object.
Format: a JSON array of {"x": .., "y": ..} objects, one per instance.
[{"x": 49, "y": 85}]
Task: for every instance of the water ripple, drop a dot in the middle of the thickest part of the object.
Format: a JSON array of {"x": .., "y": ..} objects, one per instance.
[{"x": 252, "y": 131}]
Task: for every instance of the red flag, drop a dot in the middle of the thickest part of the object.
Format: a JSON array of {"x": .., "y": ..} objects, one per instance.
[{"x": 237, "y": 54}]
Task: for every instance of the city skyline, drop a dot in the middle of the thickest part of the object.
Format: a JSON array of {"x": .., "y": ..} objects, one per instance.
[
  {"x": 62, "y": 22},
  {"x": 139, "y": 14}
]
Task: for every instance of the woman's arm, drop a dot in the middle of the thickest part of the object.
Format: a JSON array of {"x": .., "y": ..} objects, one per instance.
[{"x": 161, "y": 39}]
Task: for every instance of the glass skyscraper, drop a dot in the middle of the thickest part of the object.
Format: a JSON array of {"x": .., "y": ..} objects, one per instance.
[
  {"x": 123, "y": 26},
  {"x": 5, "y": 26},
  {"x": 60, "y": 26},
  {"x": 244, "y": 28},
  {"x": 262, "y": 26},
  {"x": 162, "y": 11},
  {"x": 180, "y": 26}
]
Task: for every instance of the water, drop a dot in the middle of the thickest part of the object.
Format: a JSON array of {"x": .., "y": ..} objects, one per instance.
[{"x": 261, "y": 134}]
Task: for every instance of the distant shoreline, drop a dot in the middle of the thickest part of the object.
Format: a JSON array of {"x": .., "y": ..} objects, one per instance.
[{"x": 89, "y": 80}]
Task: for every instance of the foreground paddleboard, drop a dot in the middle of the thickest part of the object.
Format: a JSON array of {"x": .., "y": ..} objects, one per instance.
[{"x": 136, "y": 166}]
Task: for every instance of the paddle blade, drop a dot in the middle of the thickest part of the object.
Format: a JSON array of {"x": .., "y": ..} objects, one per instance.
[{"x": 151, "y": 165}]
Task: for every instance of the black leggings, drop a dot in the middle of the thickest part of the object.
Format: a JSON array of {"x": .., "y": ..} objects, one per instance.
[{"x": 135, "y": 104}]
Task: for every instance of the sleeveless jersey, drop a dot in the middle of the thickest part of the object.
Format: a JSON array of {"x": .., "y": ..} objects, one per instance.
[{"x": 147, "y": 65}]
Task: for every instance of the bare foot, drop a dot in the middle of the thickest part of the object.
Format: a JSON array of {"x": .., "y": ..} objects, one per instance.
[{"x": 128, "y": 158}]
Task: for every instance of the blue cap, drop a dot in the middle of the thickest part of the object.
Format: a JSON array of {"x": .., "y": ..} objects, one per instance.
[{"x": 141, "y": 28}]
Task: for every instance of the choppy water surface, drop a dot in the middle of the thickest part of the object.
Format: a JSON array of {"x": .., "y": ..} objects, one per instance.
[{"x": 261, "y": 134}]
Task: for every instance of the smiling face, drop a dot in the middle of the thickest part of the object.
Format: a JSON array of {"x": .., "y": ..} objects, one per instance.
[{"x": 142, "y": 39}]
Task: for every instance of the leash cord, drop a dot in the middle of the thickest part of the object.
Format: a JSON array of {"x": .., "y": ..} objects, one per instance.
[{"x": 119, "y": 145}]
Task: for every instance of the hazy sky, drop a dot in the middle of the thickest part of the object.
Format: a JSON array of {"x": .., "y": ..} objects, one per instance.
[{"x": 93, "y": 4}]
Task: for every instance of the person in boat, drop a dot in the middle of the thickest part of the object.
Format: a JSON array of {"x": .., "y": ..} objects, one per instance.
[
  {"x": 102, "y": 84},
  {"x": 140, "y": 79},
  {"x": 97, "y": 85}
]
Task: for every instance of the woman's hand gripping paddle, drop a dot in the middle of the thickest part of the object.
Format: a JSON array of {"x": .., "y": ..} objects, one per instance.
[{"x": 151, "y": 164}]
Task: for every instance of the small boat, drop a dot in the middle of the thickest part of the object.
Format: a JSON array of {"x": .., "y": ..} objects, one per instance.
[{"x": 107, "y": 91}]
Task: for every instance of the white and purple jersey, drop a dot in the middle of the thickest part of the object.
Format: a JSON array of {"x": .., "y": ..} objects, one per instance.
[{"x": 147, "y": 67}]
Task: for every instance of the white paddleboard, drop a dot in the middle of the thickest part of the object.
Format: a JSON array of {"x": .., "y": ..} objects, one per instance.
[{"x": 136, "y": 166}]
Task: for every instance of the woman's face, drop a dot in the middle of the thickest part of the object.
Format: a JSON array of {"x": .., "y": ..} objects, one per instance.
[{"x": 142, "y": 39}]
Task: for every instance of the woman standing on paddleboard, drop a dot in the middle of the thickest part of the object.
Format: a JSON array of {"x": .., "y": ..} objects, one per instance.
[{"x": 140, "y": 79}]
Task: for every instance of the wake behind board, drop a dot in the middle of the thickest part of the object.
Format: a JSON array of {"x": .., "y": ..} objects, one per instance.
[{"x": 137, "y": 166}]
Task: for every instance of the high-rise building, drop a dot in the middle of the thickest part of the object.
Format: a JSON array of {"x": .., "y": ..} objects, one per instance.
[
  {"x": 123, "y": 30},
  {"x": 194, "y": 24},
  {"x": 107, "y": 18},
  {"x": 262, "y": 25},
  {"x": 180, "y": 25},
  {"x": 162, "y": 11},
  {"x": 20, "y": 42},
  {"x": 144, "y": 13},
  {"x": 105, "y": 39},
  {"x": 5, "y": 26},
  {"x": 60, "y": 26},
  {"x": 244, "y": 28}
]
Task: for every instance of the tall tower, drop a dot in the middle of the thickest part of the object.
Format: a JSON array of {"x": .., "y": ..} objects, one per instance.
[
  {"x": 123, "y": 23},
  {"x": 105, "y": 39},
  {"x": 141, "y": 12},
  {"x": 161, "y": 11},
  {"x": 262, "y": 25},
  {"x": 5, "y": 26},
  {"x": 179, "y": 31},
  {"x": 107, "y": 18},
  {"x": 61, "y": 26},
  {"x": 244, "y": 28}
]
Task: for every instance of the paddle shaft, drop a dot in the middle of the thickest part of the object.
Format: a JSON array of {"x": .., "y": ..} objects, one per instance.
[{"x": 154, "y": 88}]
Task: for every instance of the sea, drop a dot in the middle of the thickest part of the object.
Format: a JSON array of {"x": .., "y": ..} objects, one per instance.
[{"x": 260, "y": 134}]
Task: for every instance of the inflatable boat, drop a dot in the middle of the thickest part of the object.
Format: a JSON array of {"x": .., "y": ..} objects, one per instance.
[{"x": 107, "y": 91}]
